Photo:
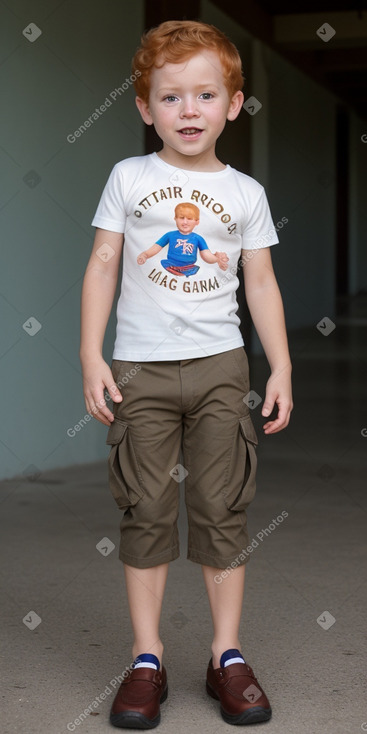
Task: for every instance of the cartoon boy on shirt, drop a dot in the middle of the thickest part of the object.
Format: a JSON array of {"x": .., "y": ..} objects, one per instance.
[{"x": 183, "y": 244}]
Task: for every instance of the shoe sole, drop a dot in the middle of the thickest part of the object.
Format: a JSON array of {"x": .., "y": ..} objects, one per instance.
[
  {"x": 250, "y": 716},
  {"x": 136, "y": 720}
]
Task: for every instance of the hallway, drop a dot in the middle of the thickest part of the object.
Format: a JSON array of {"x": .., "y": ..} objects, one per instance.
[{"x": 305, "y": 572}]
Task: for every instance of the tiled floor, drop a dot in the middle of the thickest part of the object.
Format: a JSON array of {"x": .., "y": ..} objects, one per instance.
[{"x": 310, "y": 567}]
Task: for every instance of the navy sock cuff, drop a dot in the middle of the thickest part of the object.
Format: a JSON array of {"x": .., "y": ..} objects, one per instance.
[
  {"x": 228, "y": 654},
  {"x": 146, "y": 657}
]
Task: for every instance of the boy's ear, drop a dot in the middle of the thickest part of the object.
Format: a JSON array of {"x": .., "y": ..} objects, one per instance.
[
  {"x": 235, "y": 105},
  {"x": 144, "y": 110}
]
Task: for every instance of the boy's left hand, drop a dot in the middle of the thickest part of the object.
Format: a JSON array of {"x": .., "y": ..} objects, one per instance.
[
  {"x": 222, "y": 260},
  {"x": 278, "y": 392}
]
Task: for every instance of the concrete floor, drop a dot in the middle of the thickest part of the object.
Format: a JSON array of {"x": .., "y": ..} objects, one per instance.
[{"x": 308, "y": 567}]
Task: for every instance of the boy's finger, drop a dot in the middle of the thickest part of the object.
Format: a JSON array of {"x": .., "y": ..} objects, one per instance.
[
  {"x": 279, "y": 423},
  {"x": 98, "y": 407},
  {"x": 273, "y": 426},
  {"x": 268, "y": 406},
  {"x": 115, "y": 393},
  {"x": 103, "y": 414},
  {"x": 103, "y": 419}
]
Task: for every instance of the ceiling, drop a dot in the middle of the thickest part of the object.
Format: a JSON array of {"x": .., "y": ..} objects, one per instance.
[{"x": 335, "y": 56}]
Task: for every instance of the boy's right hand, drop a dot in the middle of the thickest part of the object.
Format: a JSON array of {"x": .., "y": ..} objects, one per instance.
[{"x": 96, "y": 377}]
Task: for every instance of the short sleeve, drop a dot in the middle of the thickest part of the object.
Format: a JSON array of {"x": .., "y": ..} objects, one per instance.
[
  {"x": 164, "y": 240},
  {"x": 111, "y": 213},
  {"x": 201, "y": 243},
  {"x": 259, "y": 231}
]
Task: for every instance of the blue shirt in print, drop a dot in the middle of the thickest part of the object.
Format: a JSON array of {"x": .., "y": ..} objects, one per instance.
[{"x": 182, "y": 248}]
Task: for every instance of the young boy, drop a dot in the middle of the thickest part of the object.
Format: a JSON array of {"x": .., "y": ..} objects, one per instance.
[{"x": 180, "y": 357}]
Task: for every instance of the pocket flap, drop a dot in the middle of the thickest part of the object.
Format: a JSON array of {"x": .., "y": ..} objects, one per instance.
[
  {"x": 116, "y": 432},
  {"x": 248, "y": 430}
]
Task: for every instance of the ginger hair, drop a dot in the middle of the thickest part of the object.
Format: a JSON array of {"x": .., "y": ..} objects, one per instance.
[
  {"x": 187, "y": 207},
  {"x": 176, "y": 41}
]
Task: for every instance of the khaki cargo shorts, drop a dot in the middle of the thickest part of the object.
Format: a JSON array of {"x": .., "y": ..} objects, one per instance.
[{"x": 195, "y": 405}]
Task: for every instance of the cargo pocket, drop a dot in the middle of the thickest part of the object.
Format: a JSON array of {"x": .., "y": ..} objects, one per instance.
[
  {"x": 123, "y": 469},
  {"x": 241, "y": 485}
]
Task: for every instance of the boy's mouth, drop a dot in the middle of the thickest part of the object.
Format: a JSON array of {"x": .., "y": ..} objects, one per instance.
[{"x": 190, "y": 132}]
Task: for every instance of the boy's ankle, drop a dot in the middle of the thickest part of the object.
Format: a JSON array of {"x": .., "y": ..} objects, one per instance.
[
  {"x": 156, "y": 650},
  {"x": 217, "y": 652}
]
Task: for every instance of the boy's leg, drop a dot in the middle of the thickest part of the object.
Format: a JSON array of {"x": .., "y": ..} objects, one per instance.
[
  {"x": 219, "y": 446},
  {"x": 145, "y": 591},
  {"x": 220, "y": 457},
  {"x": 225, "y": 599},
  {"x": 146, "y": 439}
]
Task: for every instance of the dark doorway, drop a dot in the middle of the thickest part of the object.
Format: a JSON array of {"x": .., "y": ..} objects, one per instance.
[{"x": 342, "y": 208}]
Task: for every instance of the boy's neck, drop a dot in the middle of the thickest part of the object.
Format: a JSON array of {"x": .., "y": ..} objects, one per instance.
[{"x": 203, "y": 162}]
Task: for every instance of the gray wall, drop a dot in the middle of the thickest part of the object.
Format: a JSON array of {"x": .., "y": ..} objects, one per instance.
[
  {"x": 302, "y": 188},
  {"x": 49, "y": 192}
]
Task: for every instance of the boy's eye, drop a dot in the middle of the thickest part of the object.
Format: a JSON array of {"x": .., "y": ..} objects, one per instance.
[
  {"x": 170, "y": 98},
  {"x": 206, "y": 95}
]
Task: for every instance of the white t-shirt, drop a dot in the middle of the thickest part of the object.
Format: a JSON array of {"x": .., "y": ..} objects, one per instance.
[{"x": 176, "y": 305}]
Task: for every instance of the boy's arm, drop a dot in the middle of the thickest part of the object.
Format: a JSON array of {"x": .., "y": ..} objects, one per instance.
[
  {"x": 267, "y": 313},
  {"x": 148, "y": 253},
  {"x": 97, "y": 296}
]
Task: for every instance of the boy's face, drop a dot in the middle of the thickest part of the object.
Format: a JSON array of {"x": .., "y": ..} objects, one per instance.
[
  {"x": 185, "y": 223},
  {"x": 188, "y": 106}
]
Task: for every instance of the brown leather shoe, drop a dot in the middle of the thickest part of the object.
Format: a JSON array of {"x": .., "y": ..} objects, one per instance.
[
  {"x": 136, "y": 705},
  {"x": 242, "y": 700}
]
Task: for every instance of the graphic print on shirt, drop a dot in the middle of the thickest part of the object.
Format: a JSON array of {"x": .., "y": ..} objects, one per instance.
[{"x": 184, "y": 244}]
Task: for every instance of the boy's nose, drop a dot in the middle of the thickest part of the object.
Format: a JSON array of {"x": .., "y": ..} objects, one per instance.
[{"x": 189, "y": 108}]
